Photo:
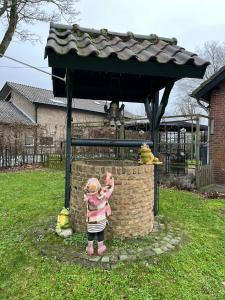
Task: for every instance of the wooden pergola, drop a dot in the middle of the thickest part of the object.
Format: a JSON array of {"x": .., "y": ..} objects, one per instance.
[{"x": 104, "y": 65}]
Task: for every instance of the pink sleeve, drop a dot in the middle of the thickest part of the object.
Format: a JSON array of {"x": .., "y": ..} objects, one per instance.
[
  {"x": 94, "y": 201},
  {"x": 108, "y": 193},
  {"x": 85, "y": 198}
]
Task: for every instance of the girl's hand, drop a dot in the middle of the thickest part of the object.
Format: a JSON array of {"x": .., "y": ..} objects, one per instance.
[{"x": 109, "y": 181}]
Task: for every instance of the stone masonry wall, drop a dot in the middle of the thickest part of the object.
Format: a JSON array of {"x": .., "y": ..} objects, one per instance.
[
  {"x": 131, "y": 202},
  {"x": 217, "y": 138}
]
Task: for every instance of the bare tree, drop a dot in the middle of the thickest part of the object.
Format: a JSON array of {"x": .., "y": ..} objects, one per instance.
[
  {"x": 16, "y": 14},
  {"x": 214, "y": 52}
]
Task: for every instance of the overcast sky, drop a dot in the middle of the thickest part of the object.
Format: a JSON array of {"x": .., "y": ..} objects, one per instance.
[{"x": 192, "y": 22}]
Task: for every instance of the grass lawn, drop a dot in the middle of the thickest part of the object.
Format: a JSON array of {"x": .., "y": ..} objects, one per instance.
[{"x": 196, "y": 271}]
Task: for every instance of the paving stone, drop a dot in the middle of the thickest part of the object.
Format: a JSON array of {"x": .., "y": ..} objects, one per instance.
[
  {"x": 105, "y": 259},
  {"x": 142, "y": 256},
  {"x": 149, "y": 252},
  {"x": 139, "y": 255},
  {"x": 155, "y": 226},
  {"x": 123, "y": 257},
  {"x": 168, "y": 245},
  {"x": 85, "y": 256},
  {"x": 170, "y": 232},
  {"x": 131, "y": 251},
  {"x": 146, "y": 263},
  {"x": 95, "y": 259},
  {"x": 161, "y": 243},
  {"x": 174, "y": 242},
  {"x": 164, "y": 248},
  {"x": 158, "y": 250},
  {"x": 132, "y": 257},
  {"x": 139, "y": 249},
  {"x": 166, "y": 239},
  {"x": 177, "y": 229},
  {"x": 114, "y": 258},
  {"x": 107, "y": 266}
]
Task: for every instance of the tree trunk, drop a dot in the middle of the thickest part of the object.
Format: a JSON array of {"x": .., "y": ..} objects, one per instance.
[{"x": 13, "y": 19}]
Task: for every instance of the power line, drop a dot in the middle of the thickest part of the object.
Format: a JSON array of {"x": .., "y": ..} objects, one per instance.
[{"x": 30, "y": 66}]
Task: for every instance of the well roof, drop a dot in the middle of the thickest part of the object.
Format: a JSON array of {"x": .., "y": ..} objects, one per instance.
[
  {"x": 124, "y": 46},
  {"x": 111, "y": 65}
]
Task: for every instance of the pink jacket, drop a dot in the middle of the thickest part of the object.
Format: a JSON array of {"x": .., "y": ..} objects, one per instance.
[{"x": 98, "y": 207}]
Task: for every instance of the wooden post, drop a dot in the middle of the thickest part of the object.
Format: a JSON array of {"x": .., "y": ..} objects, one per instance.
[
  {"x": 197, "y": 141},
  {"x": 155, "y": 136},
  {"x": 69, "y": 93},
  {"x": 121, "y": 137},
  {"x": 192, "y": 138}
]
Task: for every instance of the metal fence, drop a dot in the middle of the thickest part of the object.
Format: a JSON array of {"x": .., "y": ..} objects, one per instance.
[
  {"x": 11, "y": 158},
  {"x": 54, "y": 161}
]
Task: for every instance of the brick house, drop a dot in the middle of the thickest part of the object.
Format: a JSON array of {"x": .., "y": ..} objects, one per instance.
[
  {"x": 39, "y": 113},
  {"x": 212, "y": 92}
]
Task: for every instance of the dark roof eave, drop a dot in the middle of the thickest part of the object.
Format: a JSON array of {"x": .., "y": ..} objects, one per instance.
[
  {"x": 131, "y": 66},
  {"x": 203, "y": 92}
]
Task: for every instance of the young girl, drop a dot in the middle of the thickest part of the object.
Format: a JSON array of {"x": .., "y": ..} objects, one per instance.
[{"x": 98, "y": 210}]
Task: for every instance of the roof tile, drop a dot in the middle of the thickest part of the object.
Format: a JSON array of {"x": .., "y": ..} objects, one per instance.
[
  {"x": 10, "y": 114},
  {"x": 103, "y": 43}
]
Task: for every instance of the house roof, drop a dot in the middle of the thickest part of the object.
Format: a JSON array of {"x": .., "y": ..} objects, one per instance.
[
  {"x": 124, "y": 46},
  {"x": 10, "y": 114},
  {"x": 203, "y": 92},
  {"x": 111, "y": 65},
  {"x": 44, "y": 96}
]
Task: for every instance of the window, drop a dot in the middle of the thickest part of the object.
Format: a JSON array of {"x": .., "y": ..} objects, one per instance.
[
  {"x": 29, "y": 140},
  {"x": 46, "y": 141}
]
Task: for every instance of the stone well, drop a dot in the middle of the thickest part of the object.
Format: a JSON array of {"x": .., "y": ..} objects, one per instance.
[{"x": 131, "y": 201}]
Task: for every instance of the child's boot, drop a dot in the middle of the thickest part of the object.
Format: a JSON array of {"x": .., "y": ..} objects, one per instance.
[
  {"x": 101, "y": 248},
  {"x": 90, "y": 249}
]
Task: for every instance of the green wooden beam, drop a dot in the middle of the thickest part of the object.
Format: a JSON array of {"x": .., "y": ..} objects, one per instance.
[
  {"x": 161, "y": 109},
  {"x": 68, "y": 138},
  {"x": 132, "y": 66}
]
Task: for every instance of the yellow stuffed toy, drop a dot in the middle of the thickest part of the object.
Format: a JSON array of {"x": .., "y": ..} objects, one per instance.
[{"x": 63, "y": 228}]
